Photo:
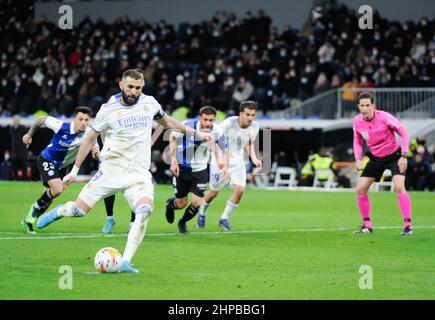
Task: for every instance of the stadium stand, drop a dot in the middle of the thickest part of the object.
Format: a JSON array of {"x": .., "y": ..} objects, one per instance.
[{"x": 292, "y": 73}]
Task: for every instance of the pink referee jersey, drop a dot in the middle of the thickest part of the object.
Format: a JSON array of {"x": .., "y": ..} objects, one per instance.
[{"x": 378, "y": 134}]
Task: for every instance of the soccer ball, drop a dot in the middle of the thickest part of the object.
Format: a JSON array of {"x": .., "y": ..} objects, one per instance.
[{"x": 107, "y": 260}]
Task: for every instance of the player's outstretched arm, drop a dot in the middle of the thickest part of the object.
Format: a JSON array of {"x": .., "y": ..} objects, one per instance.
[
  {"x": 27, "y": 138},
  {"x": 175, "y": 169},
  {"x": 170, "y": 123},
  {"x": 159, "y": 130},
  {"x": 84, "y": 149}
]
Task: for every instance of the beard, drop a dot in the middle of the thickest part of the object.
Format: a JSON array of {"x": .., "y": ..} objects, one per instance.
[{"x": 129, "y": 100}]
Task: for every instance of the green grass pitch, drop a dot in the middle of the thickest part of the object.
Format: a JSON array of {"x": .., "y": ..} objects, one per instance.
[{"x": 285, "y": 245}]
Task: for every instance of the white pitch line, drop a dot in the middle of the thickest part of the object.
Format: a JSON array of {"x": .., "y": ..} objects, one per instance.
[{"x": 117, "y": 235}]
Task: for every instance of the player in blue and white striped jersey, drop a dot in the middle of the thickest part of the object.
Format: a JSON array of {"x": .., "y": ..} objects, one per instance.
[
  {"x": 55, "y": 159},
  {"x": 190, "y": 158}
]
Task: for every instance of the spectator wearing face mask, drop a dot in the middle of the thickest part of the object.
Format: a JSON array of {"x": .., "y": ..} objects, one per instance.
[{"x": 242, "y": 92}]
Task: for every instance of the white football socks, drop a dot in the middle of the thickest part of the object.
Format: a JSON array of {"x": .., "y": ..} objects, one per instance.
[
  {"x": 204, "y": 207},
  {"x": 229, "y": 209},
  {"x": 137, "y": 231}
]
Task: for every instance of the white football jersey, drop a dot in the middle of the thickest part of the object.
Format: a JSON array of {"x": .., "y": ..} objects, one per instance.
[
  {"x": 127, "y": 131},
  {"x": 192, "y": 153},
  {"x": 238, "y": 138}
]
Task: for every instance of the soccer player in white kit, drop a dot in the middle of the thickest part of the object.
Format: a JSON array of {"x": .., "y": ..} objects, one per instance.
[
  {"x": 240, "y": 132},
  {"x": 126, "y": 156}
]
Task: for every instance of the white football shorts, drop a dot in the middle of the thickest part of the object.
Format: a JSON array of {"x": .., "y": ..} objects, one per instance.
[
  {"x": 109, "y": 180},
  {"x": 236, "y": 175}
]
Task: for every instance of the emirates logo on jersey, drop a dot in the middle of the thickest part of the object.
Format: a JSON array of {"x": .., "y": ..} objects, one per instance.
[{"x": 365, "y": 135}]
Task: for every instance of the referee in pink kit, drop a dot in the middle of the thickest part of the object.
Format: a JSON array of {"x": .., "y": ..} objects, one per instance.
[{"x": 377, "y": 128}]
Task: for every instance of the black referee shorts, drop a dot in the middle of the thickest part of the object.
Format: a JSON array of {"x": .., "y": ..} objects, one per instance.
[
  {"x": 195, "y": 182},
  {"x": 376, "y": 166}
]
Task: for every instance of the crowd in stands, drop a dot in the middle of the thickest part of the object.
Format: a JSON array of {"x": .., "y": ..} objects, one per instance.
[{"x": 220, "y": 61}]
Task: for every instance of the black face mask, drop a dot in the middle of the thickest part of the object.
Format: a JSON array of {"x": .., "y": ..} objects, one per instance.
[{"x": 129, "y": 101}]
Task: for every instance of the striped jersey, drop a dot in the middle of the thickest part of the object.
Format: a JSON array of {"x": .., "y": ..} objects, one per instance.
[
  {"x": 64, "y": 146},
  {"x": 193, "y": 154}
]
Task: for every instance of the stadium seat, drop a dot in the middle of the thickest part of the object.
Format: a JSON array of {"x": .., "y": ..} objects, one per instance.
[
  {"x": 289, "y": 182},
  {"x": 377, "y": 186},
  {"x": 328, "y": 184}
]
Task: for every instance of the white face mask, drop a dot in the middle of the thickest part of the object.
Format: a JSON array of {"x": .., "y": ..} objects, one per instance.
[
  {"x": 230, "y": 82},
  {"x": 274, "y": 82}
]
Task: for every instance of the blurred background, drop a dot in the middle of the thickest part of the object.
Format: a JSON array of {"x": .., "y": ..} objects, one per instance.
[{"x": 305, "y": 62}]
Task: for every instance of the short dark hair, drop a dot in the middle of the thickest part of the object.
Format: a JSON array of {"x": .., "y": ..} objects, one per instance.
[
  {"x": 132, "y": 73},
  {"x": 84, "y": 110},
  {"x": 252, "y": 105},
  {"x": 140, "y": 71},
  {"x": 208, "y": 110},
  {"x": 365, "y": 95}
]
